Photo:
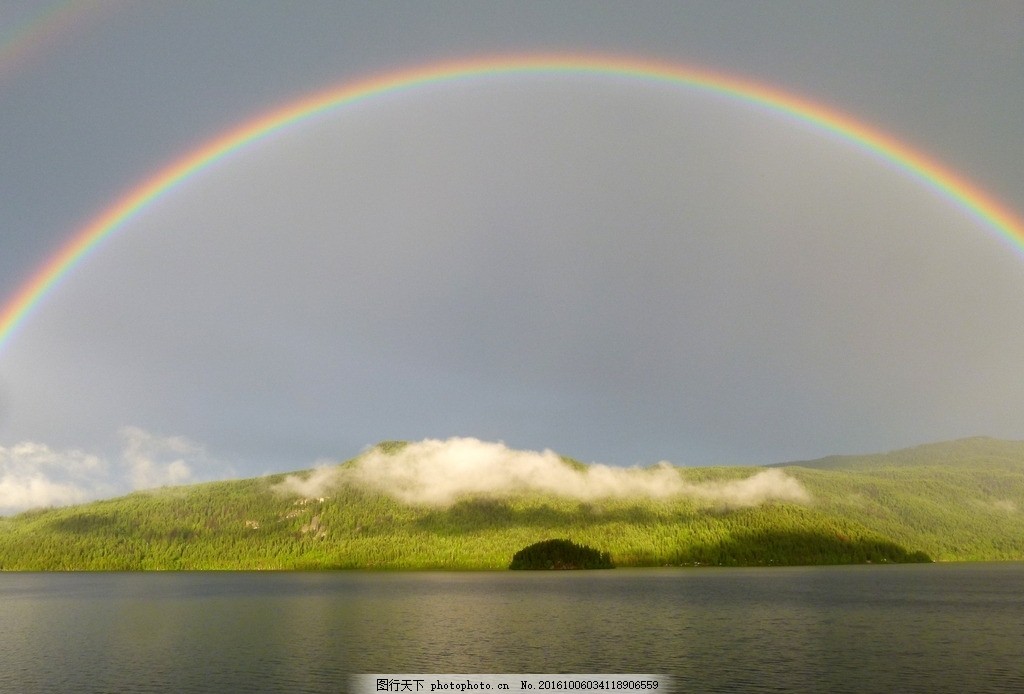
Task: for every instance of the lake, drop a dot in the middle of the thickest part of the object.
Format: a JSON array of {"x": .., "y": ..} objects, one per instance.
[{"x": 908, "y": 628}]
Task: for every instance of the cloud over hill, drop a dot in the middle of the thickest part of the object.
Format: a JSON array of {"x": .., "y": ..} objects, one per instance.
[
  {"x": 33, "y": 474},
  {"x": 437, "y": 473}
]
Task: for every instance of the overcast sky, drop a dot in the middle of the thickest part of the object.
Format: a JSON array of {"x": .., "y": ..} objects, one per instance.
[{"x": 618, "y": 271}]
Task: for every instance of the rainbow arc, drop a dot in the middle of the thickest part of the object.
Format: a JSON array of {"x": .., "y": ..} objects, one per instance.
[{"x": 960, "y": 192}]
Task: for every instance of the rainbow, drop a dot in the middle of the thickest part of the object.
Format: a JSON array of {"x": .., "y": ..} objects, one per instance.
[
  {"x": 42, "y": 30},
  {"x": 959, "y": 191}
]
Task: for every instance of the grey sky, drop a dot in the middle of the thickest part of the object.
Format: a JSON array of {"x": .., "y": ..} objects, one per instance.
[{"x": 619, "y": 272}]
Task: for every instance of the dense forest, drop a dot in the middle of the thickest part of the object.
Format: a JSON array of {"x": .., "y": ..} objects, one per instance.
[
  {"x": 960, "y": 501},
  {"x": 559, "y": 554}
]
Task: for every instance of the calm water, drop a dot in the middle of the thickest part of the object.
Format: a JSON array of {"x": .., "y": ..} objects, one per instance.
[{"x": 922, "y": 628}]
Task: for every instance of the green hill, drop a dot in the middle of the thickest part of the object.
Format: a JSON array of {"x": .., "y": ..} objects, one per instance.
[
  {"x": 975, "y": 452},
  {"x": 956, "y": 501}
]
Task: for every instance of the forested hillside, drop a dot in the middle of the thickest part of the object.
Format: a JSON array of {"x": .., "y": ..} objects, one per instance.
[
  {"x": 958, "y": 501},
  {"x": 947, "y": 502}
]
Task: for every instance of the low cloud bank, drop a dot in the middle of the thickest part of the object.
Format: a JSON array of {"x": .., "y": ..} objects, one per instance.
[
  {"x": 431, "y": 472},
  {"x": 34, "y": 475},
  {"x": 438, "y": 473},
  {"x": 320, "y": 482}
]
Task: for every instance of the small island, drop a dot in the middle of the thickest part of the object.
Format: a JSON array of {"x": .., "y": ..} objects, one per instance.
[{"x": 560, "y": 554}]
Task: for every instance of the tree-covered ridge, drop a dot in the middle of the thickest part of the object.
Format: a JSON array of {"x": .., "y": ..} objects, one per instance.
[
  {"x": 975, "y": 452},
  {"x": 876, "y": 513}
]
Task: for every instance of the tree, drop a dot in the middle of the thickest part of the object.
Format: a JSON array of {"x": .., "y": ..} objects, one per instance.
[{"x": 560, "y": 554}]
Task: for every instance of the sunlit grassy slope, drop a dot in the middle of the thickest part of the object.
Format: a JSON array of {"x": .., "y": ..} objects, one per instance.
[{"x": 956, "y": 501}]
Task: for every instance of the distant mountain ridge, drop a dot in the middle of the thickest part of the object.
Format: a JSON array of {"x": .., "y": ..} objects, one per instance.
[
  {"x": 975, "y": 450},
  {"x": 954, "y": 501}
]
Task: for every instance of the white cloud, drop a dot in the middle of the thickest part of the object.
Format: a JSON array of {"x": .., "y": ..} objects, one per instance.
[
  {"x": 21, "y": 492},
  {"x": 316, "y": 483},
  {"x": 156, "y": 461},
  {"x": 32, "y": 474},
  {"x": 431, "y": 472},
  {"x": 437, "y": 473},
  {"x": 759, "y": 488}
]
